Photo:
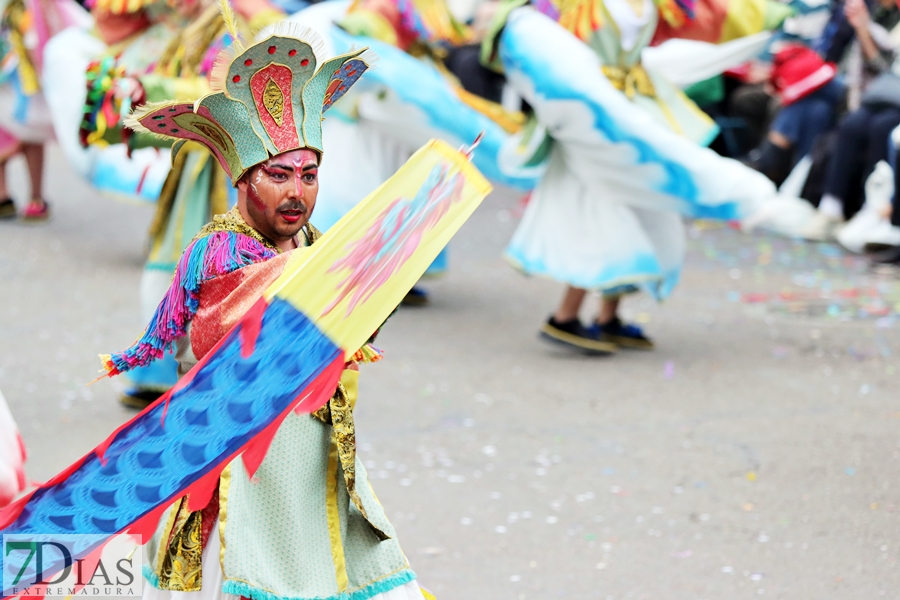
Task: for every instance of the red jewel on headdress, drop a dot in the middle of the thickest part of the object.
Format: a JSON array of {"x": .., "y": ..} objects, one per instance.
[
  {"x": 248, "y": 62},
  {"x": 304, "y": 62},
  {"x": 292, "y": 53},
  {"x": 236, "y": 78},
  {"x": 272, "y": 49}
]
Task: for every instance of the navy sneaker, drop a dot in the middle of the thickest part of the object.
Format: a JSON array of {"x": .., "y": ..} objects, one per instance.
[
  {"x": 621, "y": 334},
  {"x": 572, "y": 334}
]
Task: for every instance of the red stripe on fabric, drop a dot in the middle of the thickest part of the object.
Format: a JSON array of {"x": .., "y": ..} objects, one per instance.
[
  {"x": 201, "y": 491},
  {"x": 311, "y": 399},
  {"x": 252, "y": 323}
]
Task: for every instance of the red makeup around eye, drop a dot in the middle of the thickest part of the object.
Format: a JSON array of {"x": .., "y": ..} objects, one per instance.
[{"x": 271, "y": 172}]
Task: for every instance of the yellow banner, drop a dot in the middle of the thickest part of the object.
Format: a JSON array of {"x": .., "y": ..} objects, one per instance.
[{"x": 351, "y": 280}]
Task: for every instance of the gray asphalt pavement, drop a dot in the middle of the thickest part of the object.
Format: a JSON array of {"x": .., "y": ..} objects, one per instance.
[{"x": 754, "y": 453}]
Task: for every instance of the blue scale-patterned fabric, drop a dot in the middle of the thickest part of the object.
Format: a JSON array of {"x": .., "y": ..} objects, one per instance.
[{"x": 228, "y": 402}]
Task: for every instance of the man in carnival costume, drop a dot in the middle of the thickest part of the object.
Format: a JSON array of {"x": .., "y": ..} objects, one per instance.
[{"x": 308, "y": 524}]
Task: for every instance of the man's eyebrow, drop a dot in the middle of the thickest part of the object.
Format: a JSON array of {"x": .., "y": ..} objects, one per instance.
[
  {"x": 280, "y": 166},
  {"x": 310, "y": 167}
]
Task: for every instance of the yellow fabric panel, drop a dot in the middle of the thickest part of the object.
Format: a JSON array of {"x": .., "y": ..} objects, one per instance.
[
  {"x": 334, "y": 520},
  {"x": 350, "y": 381},
  {"x": 19, "y": 21},
  {"x": 745, "y": 17},
  {"x": 224, "y": 486},
  {"x": 509, "y": 121},
  {"x": 346, "y": 302}
]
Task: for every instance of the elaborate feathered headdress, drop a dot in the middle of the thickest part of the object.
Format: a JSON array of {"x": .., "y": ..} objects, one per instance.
[{"x": 268, "y": 99}]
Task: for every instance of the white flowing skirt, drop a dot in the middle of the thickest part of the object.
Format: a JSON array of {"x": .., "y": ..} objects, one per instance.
[
  {"x": 608, "y": 211},
  {"x": 12, "y": 456},
  {"x": 569, "y": 233}
]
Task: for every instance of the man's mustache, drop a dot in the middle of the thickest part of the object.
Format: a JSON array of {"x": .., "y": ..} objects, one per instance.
[{"x": 297, "y": 206}]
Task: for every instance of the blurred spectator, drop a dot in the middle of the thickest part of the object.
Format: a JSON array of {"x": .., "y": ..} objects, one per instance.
[
  {"x": 862, "y": 43},
  {"x": 862, "y": 137},
  {"x": 892, "y": 254},
  {"x": 809, "y": 96}
]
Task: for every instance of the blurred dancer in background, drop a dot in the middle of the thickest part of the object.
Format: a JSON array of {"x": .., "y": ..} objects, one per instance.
[
  {"x": 626, "y": 155},
  {"x": 26, "y": 27}
]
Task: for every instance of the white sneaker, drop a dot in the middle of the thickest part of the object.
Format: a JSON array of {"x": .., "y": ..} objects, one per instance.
[
  {"x": 868, "y": 227},
  {"x": 821, "y": 228}
]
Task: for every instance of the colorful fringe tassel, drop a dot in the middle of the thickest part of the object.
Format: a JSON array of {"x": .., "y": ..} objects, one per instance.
[
  {"x": 101, "y": 108},
  {"x": 212, "y": 256},
  {"x": 367, "y": 354}
]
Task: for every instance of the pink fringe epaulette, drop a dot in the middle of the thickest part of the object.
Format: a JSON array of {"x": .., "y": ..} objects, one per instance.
[{"x": 212, "y": 256}]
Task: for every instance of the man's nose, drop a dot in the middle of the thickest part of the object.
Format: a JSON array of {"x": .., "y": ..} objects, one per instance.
[{"x": 298, "y": 185}]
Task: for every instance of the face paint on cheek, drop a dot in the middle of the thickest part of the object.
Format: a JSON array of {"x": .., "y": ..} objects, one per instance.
[{"x": 254, "y": 198}]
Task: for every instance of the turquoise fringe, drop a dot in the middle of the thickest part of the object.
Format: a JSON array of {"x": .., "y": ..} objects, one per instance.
[
  {"x": 150, "y": 576},
  {"x": 239, "y": 588}
]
